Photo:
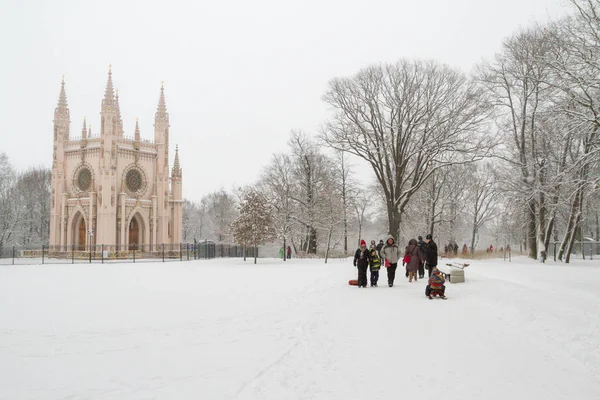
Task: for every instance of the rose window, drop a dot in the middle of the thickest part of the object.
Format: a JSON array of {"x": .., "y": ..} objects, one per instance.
[
  {"x": 84, "y": 179},
  {"x": 133, "y": 180}
]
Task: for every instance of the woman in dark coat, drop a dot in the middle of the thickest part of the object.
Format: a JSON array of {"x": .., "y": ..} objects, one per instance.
[{"x": 416, "y": 258}]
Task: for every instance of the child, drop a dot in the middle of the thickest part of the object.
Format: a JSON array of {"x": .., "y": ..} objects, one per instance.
[
  {"x": 436, "y": 284},
  {"x": 375, "y": 266},
  {"x": 361, "y": 261}
]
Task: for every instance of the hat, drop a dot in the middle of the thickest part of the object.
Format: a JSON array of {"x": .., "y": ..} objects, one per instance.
[
  {"x": 420, "y": 238},
  {"x": 363, "y": 243},
  {"x": 428, "y": 236}
]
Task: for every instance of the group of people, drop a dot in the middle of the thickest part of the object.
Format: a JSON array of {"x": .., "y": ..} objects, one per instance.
[{"x": 417, "y": 256}]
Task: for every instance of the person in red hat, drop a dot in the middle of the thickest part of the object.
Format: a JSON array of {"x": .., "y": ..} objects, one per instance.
[{"x": 362, "y": 257}]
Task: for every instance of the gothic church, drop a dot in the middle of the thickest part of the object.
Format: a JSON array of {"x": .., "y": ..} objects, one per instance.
[{"x": 112, "y": 189}]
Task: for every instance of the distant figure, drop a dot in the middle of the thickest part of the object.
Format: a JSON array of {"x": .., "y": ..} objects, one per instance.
[
  {"x": 289, "y": 252},
  {"x": 361, "y": 262},
  {"x": 491, "y": 248},
  {"x": 373, "y": 245},
  {"x": 465, "y": 250},
  {"x": 412, "y": 259},
  {"x": 455, "y": 248},
  {"x": 431, "y": 253},
  {"x": 281, "y": 253},
  {"x": 422, "y": 245},
  {"x": 379, "y": 247}
]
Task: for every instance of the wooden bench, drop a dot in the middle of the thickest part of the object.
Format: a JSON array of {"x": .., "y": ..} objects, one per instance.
[{"x": 456, "y": 272}]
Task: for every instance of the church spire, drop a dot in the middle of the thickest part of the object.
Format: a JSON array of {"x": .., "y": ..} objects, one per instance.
[
  {"x": 161, "y": 112},
  {"x": 109, "y": 93},
  {"x": 84, "y": 129},
  {"x": 176, "y": 172},
  {"x": 119, "y": 119},
  {"x": 137, "y": 129},
  {"x": 62, "y": 108}
]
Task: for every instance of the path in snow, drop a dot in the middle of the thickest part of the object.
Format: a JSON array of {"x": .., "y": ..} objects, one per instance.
[{"x": 223, "y": 329}]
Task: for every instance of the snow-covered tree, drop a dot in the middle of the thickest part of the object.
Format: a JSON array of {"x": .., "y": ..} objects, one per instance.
[
  {"x": 407, "y": 120},
  {"x": 254, "y": 224}
]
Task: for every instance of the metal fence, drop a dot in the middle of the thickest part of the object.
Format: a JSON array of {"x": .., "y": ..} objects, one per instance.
[{"x": 103, "y": 253}]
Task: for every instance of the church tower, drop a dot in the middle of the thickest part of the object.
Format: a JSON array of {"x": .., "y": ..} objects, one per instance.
[
  {"x": 177, "y": 216},
  {"x": 109, "y": 132},
  {"x": 161, "y": 139},
  {"x": 61, "y": 136}
]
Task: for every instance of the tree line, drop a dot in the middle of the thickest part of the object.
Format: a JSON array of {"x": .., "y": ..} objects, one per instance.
[{"x": 508, "y": 153}]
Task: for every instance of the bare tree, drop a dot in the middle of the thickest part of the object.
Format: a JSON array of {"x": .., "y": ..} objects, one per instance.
[
  {"x": 221, "y": 211},
  {"x": 11, "y": 213},
  {"x": 482, "y": 198},
  {"x": 407, "y": 120},
  {"x": 279, "y": 188}
]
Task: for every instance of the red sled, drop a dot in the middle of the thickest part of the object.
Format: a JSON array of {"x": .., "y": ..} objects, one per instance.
[{"x": 353, "y": 282}]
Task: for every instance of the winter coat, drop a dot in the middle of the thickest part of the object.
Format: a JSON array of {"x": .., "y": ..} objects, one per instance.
[
  {"x": 415, "y": 258},
  {"x": 362, "y": 258},
  {"x": 431, "y": 254},
  {"x": 375, "y": 261},
  {"x": 379, "y": 247},
  {"x": 422, "y": 246},
  {"x": 437, "y": 279},
  {"x": 390, "y": 253}
]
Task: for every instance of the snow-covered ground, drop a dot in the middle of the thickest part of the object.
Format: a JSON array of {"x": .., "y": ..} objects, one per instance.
[{"x": 222, "y": 329}]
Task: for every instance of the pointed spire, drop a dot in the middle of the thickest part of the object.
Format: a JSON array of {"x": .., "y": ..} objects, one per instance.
[
  {"x": 62, "y": 108},
  {"x": 89, "y": 131},
  {"x": 161, "y": 112},
  {"x": 84, "y": 129},
  {"x": 120, "y": 121},
  {"x": 137, "y": 129},
  {"x": 109, "y": 94},
  {"x": 176, "y": 173}
]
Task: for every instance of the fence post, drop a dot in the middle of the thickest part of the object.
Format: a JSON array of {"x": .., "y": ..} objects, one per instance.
[
  {"x": 102, "y": 249},
  {"x": 90, "y": 253},
  {"x": 134, "y": 255},
  {"x": 163, "y": 252},
  {"x": 73, "y": 253},
  {"x": 180, "y": 253},
  {"x": 42, "y": 254},
  {"x": 13, "y": 255},
  {"x": 187, "y": 245}
]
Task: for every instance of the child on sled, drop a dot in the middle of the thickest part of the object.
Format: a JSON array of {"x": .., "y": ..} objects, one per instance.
[{"x": 436, "y": 285}]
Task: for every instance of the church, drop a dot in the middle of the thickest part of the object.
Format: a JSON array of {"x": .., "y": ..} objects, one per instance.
[{"x": 111, "y": 189}]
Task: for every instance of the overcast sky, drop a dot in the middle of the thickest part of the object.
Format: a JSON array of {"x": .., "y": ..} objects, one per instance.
[{"x": 239, "y": 75}]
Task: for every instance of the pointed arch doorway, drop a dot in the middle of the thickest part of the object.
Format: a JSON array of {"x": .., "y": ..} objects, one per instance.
[
  {"x": 135, "y": 232},
  {"x": 79, "y": 232}
]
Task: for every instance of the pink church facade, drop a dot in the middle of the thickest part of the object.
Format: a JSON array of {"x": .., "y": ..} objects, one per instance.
[{"x": 112, "y": 189}]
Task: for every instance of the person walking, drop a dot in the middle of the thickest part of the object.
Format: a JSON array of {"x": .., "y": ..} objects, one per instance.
[
  {"x": 422, "y": 245},
  {"x": 431, "y": 254},
  {"x": 374, "y": 266},
  {"x": 361, "y": 261},
  {"x": 391, "y": 253},
  {"x": 412, "y": 258},
  {"x": 289, "y": 252}
]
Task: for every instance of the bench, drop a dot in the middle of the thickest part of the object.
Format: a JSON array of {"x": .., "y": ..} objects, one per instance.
[{"x": 456, "y": 272}]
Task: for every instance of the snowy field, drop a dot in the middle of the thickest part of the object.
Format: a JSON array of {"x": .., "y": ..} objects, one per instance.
[{"x": 222, "y": 329}]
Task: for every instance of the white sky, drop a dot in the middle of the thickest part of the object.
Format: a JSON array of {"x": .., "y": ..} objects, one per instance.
[{"x": 239, "y": 75}]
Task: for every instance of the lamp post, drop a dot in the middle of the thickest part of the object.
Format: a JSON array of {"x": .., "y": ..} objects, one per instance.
[{"x": 91, "y": 235}]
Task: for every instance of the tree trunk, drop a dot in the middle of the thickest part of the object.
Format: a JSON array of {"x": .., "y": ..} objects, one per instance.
[
  {"x": 244, "y": 253},
  {"x": 531, "y": 230},
  {"x": 255, "y": 253},
  {"x": 328, "y": 244},
  {"x": 394, "y": 218},
  {"x": 473, "y": 234},
  {"x": 570, "y": 232},
  {"x": 312, "y": 244},
  {"x": 284, "y": 250}
]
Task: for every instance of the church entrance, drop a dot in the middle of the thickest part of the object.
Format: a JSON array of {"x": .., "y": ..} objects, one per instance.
[
  {"x": 134, "y": 234},
  {"x": 79, "y": 232}
]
